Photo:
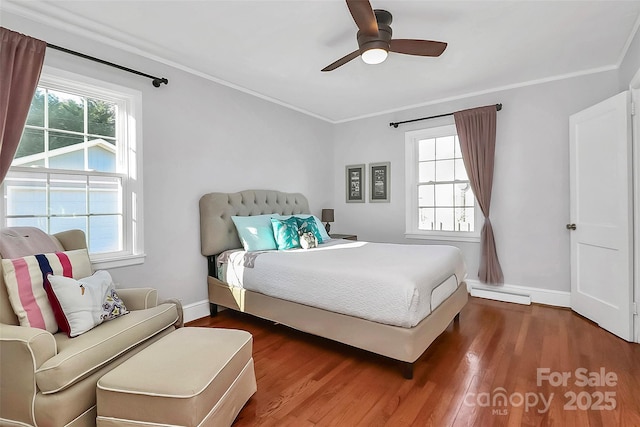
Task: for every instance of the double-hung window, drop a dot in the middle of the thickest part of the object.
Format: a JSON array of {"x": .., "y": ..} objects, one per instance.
[
  {"x": 78, "y": 166},
  {"x": 440, "y": 203}
]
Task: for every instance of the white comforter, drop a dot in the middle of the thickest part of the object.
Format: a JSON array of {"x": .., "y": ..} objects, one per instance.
[{"x": 385, "y": 283}]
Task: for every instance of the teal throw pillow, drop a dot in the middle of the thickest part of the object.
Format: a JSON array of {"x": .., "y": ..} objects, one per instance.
[
  {"x": 285, "y": 232},
  {"x": 322, "y": 235},
  {"x": 308, "y": 225},
  {"x": 255, "y": 232}
]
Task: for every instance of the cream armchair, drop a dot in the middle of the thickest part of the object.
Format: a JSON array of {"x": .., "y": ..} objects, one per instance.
[{"x": 50, "y": 379}]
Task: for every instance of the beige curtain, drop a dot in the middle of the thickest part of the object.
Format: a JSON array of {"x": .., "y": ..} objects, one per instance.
[
  {"x": 21, "y": 59},
  {"x": 477, "y": 135}
]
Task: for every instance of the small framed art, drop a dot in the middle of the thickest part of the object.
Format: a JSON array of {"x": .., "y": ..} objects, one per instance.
[
  {"x": 355, "y": 183},
  {"x": 380, "y": 174}
]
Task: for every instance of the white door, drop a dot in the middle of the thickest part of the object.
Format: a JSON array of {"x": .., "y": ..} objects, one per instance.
[{"x": 601, "y": 215}]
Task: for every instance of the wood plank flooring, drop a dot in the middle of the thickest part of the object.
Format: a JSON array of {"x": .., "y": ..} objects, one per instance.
[{"x": 482, "y": 372}]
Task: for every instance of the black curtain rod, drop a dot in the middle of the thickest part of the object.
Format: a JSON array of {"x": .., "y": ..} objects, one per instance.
[
  {"x": 156, "y": 80},
  {"x": 395, "y": 125}
]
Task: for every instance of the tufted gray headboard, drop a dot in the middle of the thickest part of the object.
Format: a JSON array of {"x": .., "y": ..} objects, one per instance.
[{"x": 217, "y": 231}]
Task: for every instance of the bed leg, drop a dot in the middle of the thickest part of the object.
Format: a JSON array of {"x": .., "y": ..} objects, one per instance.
[
  {"x": 457, "y": 319},
  {"x": 213, "y": 309},
  {"x": 407, "y": 370}
]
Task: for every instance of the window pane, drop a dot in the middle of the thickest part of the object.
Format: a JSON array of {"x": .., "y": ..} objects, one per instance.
[
  {"x": 426, "y": 195},
  {"x": 460, "y": 171},
  {"x": 464, "y": 219},
  {"x": 464, "y": 195},
  {"x": 426, "y": 218},
  {"x": 444, "y": 170},
  {"x": 426, "y": 149},
  {"x": 105, "y": 195},
  {"x": 32, "y": 142},
  {"x": 102, "y": 155},
  {"x": 444, "y": 219},
  {"x": 426, "y": 171},
  {"x": 102, "y": 117},
  {"x": 445, "y": 148},
  {"x": 26, "y": 194},
  {"x": 105, "y": 233},
  {"x": 66, "y": 112},
  {"x": 68, "y": 195},
  {"x": 444, "y": 195},
  {"x": 36, "y": 109},
  {"x": 59, "y": 224},
  {"x": 73, "y": 160},
  {"x": 60, "y": 140}
]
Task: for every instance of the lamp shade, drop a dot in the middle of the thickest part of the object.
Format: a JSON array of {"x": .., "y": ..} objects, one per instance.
[{"x": 327, "y": 215}]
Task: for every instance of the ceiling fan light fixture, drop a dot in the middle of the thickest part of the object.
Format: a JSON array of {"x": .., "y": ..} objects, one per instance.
[{"x": 374, "y": 56}]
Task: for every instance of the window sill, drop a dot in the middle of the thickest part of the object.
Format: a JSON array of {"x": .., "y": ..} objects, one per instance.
[
  {"x": 117, "y": 261},
  {"x": 452, "y": 237}
]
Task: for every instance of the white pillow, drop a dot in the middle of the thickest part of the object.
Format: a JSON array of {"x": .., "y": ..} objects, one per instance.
[{"x": 85, "y": 303}]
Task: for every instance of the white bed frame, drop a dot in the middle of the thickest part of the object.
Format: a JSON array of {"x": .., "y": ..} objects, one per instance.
[{"x": 218, "y": 233}]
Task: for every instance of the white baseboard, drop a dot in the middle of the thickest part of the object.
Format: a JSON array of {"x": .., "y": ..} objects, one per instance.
[
  {"x": 508, "y": 293},
  {"x": 519, "y": 294},
  {"x": 196, "y": 310}
]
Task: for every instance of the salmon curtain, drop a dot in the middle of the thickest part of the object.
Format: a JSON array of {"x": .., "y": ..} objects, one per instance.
[
  {"x": 21, "y": 59},
  {"x": 477, "y": 134}
]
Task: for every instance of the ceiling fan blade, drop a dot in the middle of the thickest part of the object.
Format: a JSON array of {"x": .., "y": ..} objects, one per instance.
[
  {"x": 417, "y": 47},
  {"x": 363, "y": 15},
  {"x": 340, "y": 62}
]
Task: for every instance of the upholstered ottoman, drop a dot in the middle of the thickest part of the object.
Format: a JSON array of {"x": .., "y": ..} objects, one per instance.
[{"x": 191, "y": 377}]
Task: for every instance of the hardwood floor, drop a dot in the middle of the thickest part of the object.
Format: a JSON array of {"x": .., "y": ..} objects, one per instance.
[{"x": 482, "y": 372}]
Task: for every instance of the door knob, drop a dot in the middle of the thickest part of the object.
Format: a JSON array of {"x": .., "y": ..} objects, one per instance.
[{"x": 571, "y": 226}]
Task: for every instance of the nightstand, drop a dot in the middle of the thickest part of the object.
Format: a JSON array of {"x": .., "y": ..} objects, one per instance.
[{"x": 344, "y": 236}]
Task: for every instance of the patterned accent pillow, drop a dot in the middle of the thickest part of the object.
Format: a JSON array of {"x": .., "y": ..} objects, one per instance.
[
  {"x": 24, "y": 279},
  {"x": 308, "y": 225},
  {"x": 113, "y": 306},
  {"x": 84, "y": 303},
  {"x": 285, "y": 232}
]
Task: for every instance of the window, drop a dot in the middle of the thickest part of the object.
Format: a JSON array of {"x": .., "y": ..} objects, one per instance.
[
  {"x": 440, "y": 203},
  {"x": 78, "y": 166}
]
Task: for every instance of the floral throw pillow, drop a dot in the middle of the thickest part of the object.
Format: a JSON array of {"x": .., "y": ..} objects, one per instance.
[
  {"x": 308, "y": 225},
  {"x": 80, "y": 305},
  {"x": 285, "y": 232}
]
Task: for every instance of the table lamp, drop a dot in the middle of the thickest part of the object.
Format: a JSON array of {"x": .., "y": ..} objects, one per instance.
[{"x": 327, "y": 216}]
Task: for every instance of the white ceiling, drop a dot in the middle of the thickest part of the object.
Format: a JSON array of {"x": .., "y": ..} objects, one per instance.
[{"x": 276, "y": 49}]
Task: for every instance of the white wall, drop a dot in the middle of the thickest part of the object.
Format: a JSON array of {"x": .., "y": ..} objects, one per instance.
[
  {"x": 530, "y": 204},
  {"x": 199, "y": 137}
]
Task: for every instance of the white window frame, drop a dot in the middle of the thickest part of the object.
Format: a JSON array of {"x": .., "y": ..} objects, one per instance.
[
  {"x": 129, "y": 160},
  {"x": 412, "y": 231}
]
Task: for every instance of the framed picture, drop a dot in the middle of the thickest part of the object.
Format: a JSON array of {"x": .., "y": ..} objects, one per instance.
[
  {"x": 355, "y": 183},
  {"x": 380, "y": 177}
]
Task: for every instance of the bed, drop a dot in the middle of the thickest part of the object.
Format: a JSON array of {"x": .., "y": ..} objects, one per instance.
[{"x": 265, "y": 283}]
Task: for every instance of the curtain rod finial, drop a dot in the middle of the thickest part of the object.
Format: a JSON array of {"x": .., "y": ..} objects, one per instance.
[{"x": 158, "y": 81}]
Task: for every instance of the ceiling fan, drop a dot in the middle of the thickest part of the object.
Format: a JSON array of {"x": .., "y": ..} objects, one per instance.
[{"x": 374, "y": 37}]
